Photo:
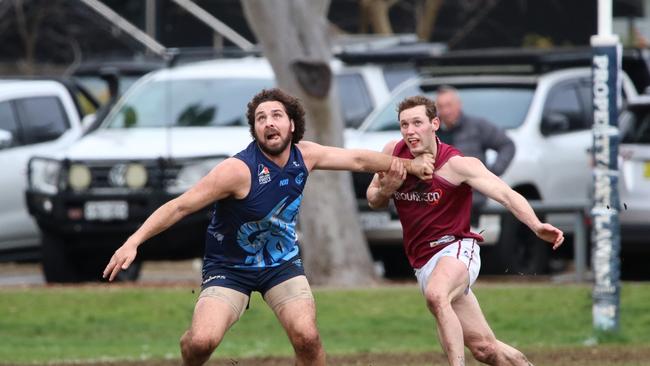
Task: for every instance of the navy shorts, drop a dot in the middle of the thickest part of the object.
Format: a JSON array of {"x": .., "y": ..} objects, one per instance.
[{"x": 247, "y": 280}]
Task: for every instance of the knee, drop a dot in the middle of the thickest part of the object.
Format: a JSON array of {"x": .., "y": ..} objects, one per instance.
[
  {"x": 484, "y": 351},
  {"x": 306, "y": 342},
  {"x": 198, "y": 344},
  {"x": 436, "y": 301}
]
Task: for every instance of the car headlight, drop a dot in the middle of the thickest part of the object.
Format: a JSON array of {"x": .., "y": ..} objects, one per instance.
[
  {"x": 131, "y": 175},
  {"x": 136, "y": 176},
  {"x": 79, "y": 177},
  {"x": 191, "y": 172},
  {"x": 44, "y": 175}
]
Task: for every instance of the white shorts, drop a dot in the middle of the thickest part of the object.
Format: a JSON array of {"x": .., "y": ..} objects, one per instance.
[{"x": 465, "y": 250}]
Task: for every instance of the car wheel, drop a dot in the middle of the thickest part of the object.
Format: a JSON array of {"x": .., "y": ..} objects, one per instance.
[
  {"x": 519, "y": 250},
  {"x": 394, "y": 264},
  {"x": 56, "y": 260},
  {"x": 130, "y": 274},
  {"x": 91, "y": 265}
]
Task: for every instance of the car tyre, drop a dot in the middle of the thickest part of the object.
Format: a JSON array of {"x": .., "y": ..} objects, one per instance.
[
  {"x": 56, "y": 260},
  {"x": 519, "y": 250}
]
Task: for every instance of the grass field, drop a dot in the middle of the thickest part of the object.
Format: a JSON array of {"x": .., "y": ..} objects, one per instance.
[{"x": 102, "y": 323}]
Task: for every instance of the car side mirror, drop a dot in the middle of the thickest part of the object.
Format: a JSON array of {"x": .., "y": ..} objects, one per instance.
[
  {"x": 553, "y": 123},
  {"x": 6, "y": 139}
]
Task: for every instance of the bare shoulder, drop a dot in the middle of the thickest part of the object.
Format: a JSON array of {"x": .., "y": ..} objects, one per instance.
[
  {"x": 465, "y": 166},
  {"x": 390, "y": 147},
  {"x": 229, "y": 178},
  {"x": 311, "y": 152},
  {"x": 307, "y": 147},
  {"x": 232, "y": 171},
  {"x": 233, "y": 163}
]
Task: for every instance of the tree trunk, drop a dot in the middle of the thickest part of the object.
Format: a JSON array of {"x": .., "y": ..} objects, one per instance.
[
  {"x": 427, "y": 19},
  {"x": 292, "y": 33},
  {"x": 375, "y": 12}
]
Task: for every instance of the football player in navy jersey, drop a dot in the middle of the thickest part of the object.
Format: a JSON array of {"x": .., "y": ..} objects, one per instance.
[{"x": 251, "y": 241}]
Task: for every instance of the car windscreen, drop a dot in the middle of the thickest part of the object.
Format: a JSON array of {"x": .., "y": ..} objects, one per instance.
[
  {"x": 505, "y": 106},
  {"x": 99, "y": 88},
  {"x": 187, "y": 103}
]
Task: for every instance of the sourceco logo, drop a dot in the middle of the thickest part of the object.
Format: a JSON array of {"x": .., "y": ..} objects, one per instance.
[{"x": 431, "y": 198}]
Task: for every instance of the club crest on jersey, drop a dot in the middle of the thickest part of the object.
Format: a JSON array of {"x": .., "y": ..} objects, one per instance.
[
  {"x": 300, "y": 178},
  {"x": 263, "y": 174}
]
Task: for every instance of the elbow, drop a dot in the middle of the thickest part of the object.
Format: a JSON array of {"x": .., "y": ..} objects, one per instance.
[
  {"x": 377, "y": 204},
  {"x": 504, "y": 200},
  {"x": 373, "y": 205},
  {"x": 178, "y": 210},
  {"x": 361, "y": 165}
]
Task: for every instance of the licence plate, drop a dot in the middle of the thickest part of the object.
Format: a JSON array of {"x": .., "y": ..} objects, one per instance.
[
  {"x": 106, "y": 210},
  {"x": 374, "y": 220},
  {"x": 646, "y": 169}
]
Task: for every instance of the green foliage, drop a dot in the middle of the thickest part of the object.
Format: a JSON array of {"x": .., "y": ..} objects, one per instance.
[{"x": 127, "y": 323}]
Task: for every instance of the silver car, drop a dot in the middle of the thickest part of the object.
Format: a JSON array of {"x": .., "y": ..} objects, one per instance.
[{"x": 634, "y": 174}]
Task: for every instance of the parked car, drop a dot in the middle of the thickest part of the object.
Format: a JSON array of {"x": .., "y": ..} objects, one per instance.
[
  {"x": 547, "y": 111},
  {"x": 166, "y": 132},
  {"x": 36, "y": 117},
  {"x": 634, "y": 175},
  {"x": 95, "y": 75}
]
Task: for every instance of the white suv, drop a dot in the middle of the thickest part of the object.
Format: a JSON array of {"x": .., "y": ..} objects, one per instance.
[
  {"x": 168, "y": 131},
  {"x": 547, "y": 115},
  {"x": 36, "y": 116},
  {"x": 634, "y": 175}
]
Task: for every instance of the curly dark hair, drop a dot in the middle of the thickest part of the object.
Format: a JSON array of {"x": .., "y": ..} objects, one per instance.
[
  {"x": 417, "y": 100},
  {"x": 291, "y": 105}
]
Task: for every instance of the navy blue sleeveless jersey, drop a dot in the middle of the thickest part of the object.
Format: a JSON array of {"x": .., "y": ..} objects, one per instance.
[{"x": 258, "y": 231}]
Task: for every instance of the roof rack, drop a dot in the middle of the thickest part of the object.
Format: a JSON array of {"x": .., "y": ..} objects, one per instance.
[
  {"x": 524, "y": 61},
  {"x": 176, "y": 56},
  {"x": 401, "y": 48}
]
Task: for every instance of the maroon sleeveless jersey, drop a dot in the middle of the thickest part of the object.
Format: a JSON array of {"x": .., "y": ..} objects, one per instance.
[{"x": 432, "y": 210}]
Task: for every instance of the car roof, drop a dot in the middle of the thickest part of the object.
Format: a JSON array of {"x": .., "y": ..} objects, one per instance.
[
  {"x": 246, "y": 67},
  {"x": 17, "y": 82},
  {"x": 480, "y": 79}
]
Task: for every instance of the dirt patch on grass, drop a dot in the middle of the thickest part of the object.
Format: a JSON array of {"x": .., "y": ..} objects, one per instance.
[{"x": 580, "y": 356}]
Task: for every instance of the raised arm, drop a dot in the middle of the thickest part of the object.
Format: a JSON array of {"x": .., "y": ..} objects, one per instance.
[
  {"x": 229, "y": 178},
  {"x": 471, "y": 171},
  {"x": 333, "y": 158}
]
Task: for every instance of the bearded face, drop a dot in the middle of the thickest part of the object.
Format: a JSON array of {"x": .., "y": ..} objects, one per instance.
[{"x": 273, "y": 128}]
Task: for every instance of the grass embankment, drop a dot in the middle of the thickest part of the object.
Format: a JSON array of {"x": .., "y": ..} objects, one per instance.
[{"x": 129, "y": 323}]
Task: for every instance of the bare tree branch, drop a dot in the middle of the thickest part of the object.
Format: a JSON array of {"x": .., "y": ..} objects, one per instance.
[
  {"x": 472, "y": 23},
  {"x": 427, "y": 20},
  {"x": 375, "y": 12}
]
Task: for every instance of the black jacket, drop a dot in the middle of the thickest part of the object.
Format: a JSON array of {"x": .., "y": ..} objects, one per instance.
[{"x": 473, "y": 136}]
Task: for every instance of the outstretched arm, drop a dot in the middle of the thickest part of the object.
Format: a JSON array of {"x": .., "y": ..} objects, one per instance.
[
  {"x": 333, "y": 158},
  {"x": 473, "y": 172},
  {"x": 231, "y": 177}
]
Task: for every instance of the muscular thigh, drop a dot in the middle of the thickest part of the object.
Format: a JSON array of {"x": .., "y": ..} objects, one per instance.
[
  {"x": 293, "y": 303},
  {"x": 216, "y": 310},
  {"x": 448, "y": 277},
  {"x": 475, "y": 327}
]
